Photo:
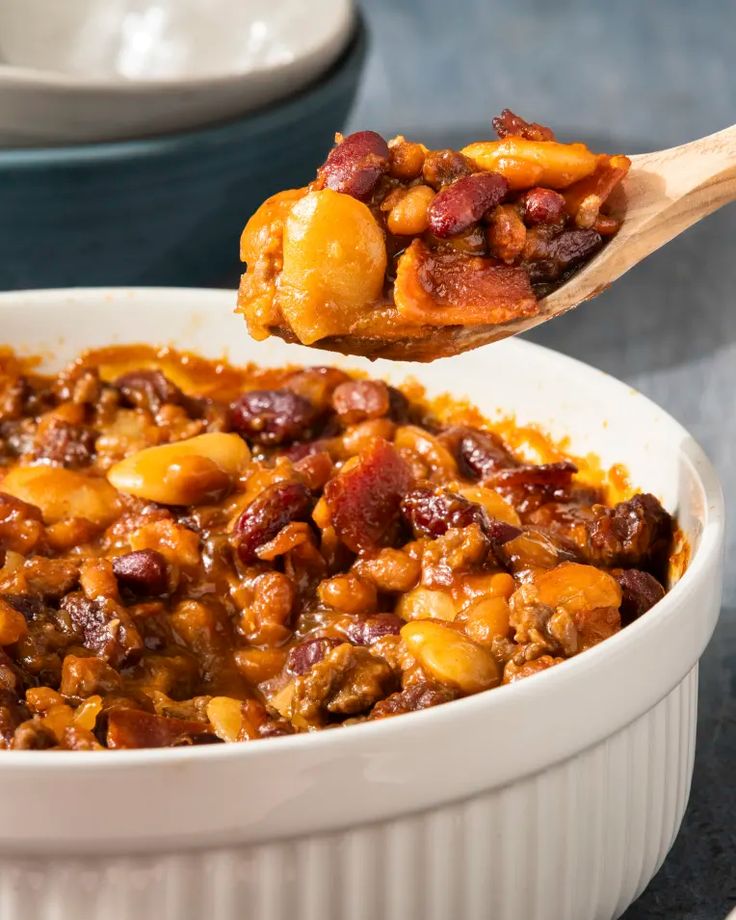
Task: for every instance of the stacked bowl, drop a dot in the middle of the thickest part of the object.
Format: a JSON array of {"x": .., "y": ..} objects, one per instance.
[{"x": 137, "y": 136}]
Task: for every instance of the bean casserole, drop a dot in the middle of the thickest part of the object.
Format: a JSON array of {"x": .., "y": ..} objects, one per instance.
[
  {"x": 195, "y": 553},
  {"x": 395, "y": 243}
]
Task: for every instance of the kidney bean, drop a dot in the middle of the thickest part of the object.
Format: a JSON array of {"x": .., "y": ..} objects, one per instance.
[
  {"x": 543, "y": 206},
  {"x": 275, "y": 507},
  {"x": 499, "y": 532},
  {"x": 356, "y": 164},
  {"x": 271, "y": 417},
  {"x": 459, "y": 205},
  {"x": 367, "y": 630},
  {"x": 432, "y": 513},
  {"x": 479, "y": 453},
  {"x": 303, "y": 656},
  {"x": 142, "y": 571},
  {"x": 441, "y": 167},
  {"x": 146, "y": 389},
  {"x": 640, "y": 592},
  {"x": 359, "y": 400}
]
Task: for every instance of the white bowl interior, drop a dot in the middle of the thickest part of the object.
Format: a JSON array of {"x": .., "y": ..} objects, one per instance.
[
  {"x": 170, "y": 39},
  {"x": 289, "y": 780}
]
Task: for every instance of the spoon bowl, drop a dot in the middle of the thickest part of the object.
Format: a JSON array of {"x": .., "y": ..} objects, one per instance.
[{"x": 664, "y": 193}]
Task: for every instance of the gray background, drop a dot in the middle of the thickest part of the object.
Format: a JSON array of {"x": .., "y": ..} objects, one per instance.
[{"x": 627, "y": 76}]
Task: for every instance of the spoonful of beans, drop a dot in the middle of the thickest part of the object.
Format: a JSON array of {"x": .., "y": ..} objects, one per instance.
[{"x": 397, "y": 251}]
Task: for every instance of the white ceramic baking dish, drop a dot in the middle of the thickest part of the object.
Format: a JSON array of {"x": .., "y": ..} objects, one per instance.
[{"x": 556, "y": 798}]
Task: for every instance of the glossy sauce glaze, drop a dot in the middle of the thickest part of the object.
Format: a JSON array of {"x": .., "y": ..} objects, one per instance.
[{"x": 194, "y": 552}]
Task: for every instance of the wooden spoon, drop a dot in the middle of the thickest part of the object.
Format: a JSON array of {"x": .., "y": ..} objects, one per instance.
[{"x": 664, "y": 193}]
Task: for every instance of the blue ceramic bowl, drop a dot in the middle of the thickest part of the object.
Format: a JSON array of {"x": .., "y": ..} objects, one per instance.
[{"x": 167, "y": 210}]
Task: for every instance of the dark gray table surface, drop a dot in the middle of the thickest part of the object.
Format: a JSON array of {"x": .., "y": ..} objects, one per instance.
[{"x": 629, "y": 76}]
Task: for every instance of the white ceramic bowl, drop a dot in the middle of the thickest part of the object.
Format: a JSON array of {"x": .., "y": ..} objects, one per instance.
[
  {"x": 94, "y": 70},
  {"x": 556, "y": 798}
]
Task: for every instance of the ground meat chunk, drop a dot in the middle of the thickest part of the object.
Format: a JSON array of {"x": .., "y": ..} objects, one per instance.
[
  {"x": 443, "y": 167},
  {"x": 460, "y": 549},
  {"x": 530, "y": 619},
  {"x": 79, "y": 739},
  {"x": 21, "y": 524},
  {"x": 13, "y": 711},
  {"x": 49, "y": 577},
  {"x": 33, "y": 735},
  {"x": 17, "y": 439},
  {"x": 347, "y": 681},
  {"x": 417, "y": 696},
  {"x": 79, "y": 385},
  {"x": 304, "y": 656},
  {"x": 30, "y": 606},
  {"x": 11, "y": 675},
  {"x": 62, "y": 444},
  {"x": 432, "y": 512},
  {"x": 566, "y": 609},
  {"x": 634, "y": 534},
  {"x": 83, "y": 677},
  {"x": 519, "y": 670},
  {"x": 105, "y": 627}
]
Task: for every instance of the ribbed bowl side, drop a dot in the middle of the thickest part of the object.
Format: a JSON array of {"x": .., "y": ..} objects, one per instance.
[{"x": 578, "y": 841}]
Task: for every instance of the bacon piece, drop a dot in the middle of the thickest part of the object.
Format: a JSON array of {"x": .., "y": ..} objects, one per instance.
[
  {"x": 584, "y": 199},
  {"x": 133, "y": 728},
  {"x": 508, "y": 123},
  {"x": 364, "y": 502},
  {"x": 450, "y": 288}
]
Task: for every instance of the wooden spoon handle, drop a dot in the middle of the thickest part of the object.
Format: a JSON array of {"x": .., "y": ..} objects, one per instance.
[
  {"x": 666, "y": 192},
  {"x": 705, "y": 168},
  {"x": 672, "y": 189}
]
